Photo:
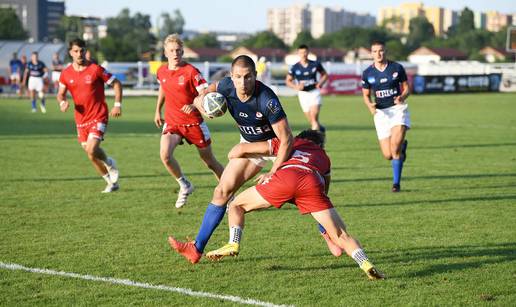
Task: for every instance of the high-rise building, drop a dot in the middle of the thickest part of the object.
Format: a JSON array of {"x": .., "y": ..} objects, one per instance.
[
  {"x": 40, "y": 18},
  {"x": 495, "y": 21},
  {"x": 286, "y": 23}
]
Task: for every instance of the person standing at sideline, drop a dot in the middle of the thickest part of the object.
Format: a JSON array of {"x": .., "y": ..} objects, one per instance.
[{"x": 387, "y": 82}]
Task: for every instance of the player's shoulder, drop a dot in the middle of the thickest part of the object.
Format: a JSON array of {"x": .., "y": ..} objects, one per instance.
[
  {"x": 369, "y": 70},
  {"x": 225, "y": 86},
  {"x": 395, "y": 65},
  {"x": 263, "y": 92}
]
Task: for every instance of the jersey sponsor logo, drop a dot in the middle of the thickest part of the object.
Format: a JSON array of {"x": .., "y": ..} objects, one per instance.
[
  {"x": 313, "y": 69},
  {"x": 164, "y": 80},
  {"x": 254, "y": 130},
  {"x": 273, "y": 106},
  {"x": 71, "y": 81},
  {"x": 259, "y": 115},
  {"x": 306, "y": 73},
  {"x": 181, "y": 80},
  {"x": 395, "y": 75},
  {"x": 383, "y": 80},
  {"x": 298, "y": 72},
  {"x": 371, "y": 80},
  {"x": 242, "y": 114},
  {"x": 386, "y": 93},
  {"x": 87, "y": 79}
]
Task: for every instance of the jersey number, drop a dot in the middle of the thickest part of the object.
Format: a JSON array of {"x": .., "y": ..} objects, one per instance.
[{"x": 301, "y": 156}]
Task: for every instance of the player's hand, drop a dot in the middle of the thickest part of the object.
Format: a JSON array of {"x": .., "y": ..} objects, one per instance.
[
  {"x": 64, "y": 106},
  {"x": 116, "y": 112},
  {"x": 301, "y": 85},
  {"x": 263, "y": 178},
  {"x": 372, "y": 110},
  {"x": 188, "y": 108},
  {"x": 158, "y": 120},
  {"x": 399, "y": 100}
]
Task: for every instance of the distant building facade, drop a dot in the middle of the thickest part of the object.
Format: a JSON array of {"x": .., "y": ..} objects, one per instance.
[
  {"x": 40, "y": 18},
  {"x": 287, "y": 22}
]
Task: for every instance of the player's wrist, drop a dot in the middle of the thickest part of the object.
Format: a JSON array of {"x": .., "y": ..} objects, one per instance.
[
  {"x": 117, "y": 104},
  {"x": 62, "y": 103}
]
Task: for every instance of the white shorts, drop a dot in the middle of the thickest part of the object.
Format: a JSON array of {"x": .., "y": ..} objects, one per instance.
[
  {"x": 15, "y": 76},
  {"x": 259, "y": 159},
  {"x": 55, "y": 76},
  {"x": 35, "y": 84},
  {"x": 308, "y": 99},
  {"x": 385, "y": 119}
]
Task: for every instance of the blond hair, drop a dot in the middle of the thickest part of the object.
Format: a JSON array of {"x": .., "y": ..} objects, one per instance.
[{"x": 173, "y": 38}]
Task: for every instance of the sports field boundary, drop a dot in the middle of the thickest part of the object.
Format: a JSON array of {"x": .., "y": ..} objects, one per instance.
[{"x": 130, "y": 283}]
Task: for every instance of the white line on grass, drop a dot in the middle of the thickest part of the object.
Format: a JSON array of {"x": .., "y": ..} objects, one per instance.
[{"x": 127, "y": 282}]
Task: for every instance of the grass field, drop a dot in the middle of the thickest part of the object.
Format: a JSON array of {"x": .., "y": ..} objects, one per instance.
[{"x": 448, "y": 239}]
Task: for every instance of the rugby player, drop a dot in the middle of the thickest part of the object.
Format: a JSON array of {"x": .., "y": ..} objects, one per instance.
[
  {"x": 180, "y": 83},
  {"x": 304, "y": 180},
  {"x": 387, "y": 82},
  {"x": 85, "y": 81},
  {"x": 15, "y": 68},
  {"x": 302, "y": 77},
  {"x": 37, "y": 75}
]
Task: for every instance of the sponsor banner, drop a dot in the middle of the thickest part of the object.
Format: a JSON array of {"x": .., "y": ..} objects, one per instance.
[
  {"x": 342, "y": 85},
  {"x": 456, "y": 83}
]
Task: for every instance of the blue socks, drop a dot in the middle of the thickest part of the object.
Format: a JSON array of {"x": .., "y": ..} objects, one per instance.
[
  {"x": 33, "y": 103},
  {"x": 397, "y": 166},
  {"x": 212, "y": 217},
  {"x": 43, "y": 101},
  {"x": 321, "y": 228}
]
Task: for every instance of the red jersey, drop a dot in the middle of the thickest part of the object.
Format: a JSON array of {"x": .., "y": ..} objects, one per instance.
[
  {"x": 87, "y": 89},
  {"x": 308, "y": 154},
  {"x": 180, "y": 86}
]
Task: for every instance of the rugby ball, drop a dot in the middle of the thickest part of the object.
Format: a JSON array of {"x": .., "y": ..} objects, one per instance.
[{"x": 214, "y": 104}]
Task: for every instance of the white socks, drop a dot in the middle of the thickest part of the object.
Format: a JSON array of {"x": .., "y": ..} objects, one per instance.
[
  {"x": 183, "y": 182},
  {"x": 235, "y": 234},
  {"x": 359, "y": 256}
]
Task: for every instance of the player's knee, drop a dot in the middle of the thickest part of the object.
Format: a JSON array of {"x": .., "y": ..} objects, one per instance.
[
  {"x": 165, "y": 157},
  {"x": 387, "y": 156},
  {"x": 222, "y": 192}
]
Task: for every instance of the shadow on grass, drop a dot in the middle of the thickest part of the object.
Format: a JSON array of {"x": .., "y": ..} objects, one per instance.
[
  {"x": 463, "y": 257},
  {"x": 440, "y": 177}
]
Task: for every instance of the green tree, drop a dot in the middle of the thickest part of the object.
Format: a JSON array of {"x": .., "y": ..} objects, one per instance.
[
  {"x": 466, "y": 21},
  {"x": 170, "y": 25},
  {"x": 395, "y": 24},
  {"x": 10, "y": 25},
  {"x": 69, "y": 27},
  {"x": 204, "y": 40},
  {"x": 396, "y": 50},
  {"x": 128, "y": 37},
  {"x": 420, "y": 31},
  {"x": 264, "y": 39},
  {"x": 303, "y": 37}
]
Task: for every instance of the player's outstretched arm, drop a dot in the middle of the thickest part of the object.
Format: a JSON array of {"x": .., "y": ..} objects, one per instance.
[{"x": 116, "y": 111}]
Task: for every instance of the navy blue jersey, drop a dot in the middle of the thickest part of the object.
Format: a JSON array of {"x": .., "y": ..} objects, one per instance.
[
  {"x": 255, "y": 116},
  {"x": 36, "y": 70},
  {"x": 385, "y": 84},
  {"x": 307, "y": 75},
  {"x": 15, "y": 66}
]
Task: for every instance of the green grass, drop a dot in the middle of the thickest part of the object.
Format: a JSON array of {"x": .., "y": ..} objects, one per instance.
[{"x": 448, "y": 239}]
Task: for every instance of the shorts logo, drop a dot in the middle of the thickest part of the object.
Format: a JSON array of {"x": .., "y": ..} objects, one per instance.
[
  {"x": 101, "y": 127},
  {"x": 181, "y": 80},
  {"x": 242, "y": 114}
]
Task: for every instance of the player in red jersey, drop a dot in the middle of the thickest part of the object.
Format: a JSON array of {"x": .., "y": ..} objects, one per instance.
[
  {"x": 304, "y": 180},
  {"x": 85, "y": 81},
  {"x": 180, "y": 83}
]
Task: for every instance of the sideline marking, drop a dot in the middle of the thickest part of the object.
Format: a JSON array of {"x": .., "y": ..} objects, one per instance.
[{"x": 127, "y": 282}]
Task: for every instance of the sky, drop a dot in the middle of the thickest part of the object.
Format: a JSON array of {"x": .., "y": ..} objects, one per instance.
[{"x": 251, "y": 15}]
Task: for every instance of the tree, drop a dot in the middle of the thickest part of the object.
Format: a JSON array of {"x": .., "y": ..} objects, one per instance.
[
  {"x": 10, "y": 25},
  {"x": 466, "y": 21},
  {"x": 264, "y": 39},
  {"x": 303, "y": 37},
  {"x": 395, "y": 24},
  {"x": 128, "y": 37},
  {"x": 69, "y": 27},
  {"x": 170, "y": 25},
  {"x": 396, "y": 50},
  {"x": 204, "y": 40},
  {"x": 420, "y": 31}
]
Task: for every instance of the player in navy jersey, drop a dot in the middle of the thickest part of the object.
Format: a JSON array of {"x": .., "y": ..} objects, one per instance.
[
  {"x": 303, "y": 180},
  {"x": 37, "y": 74},
  {"x": 15, "y": 67},
  {"x": 302, "y": 77},
  {"x": 387, "y": 82}
]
